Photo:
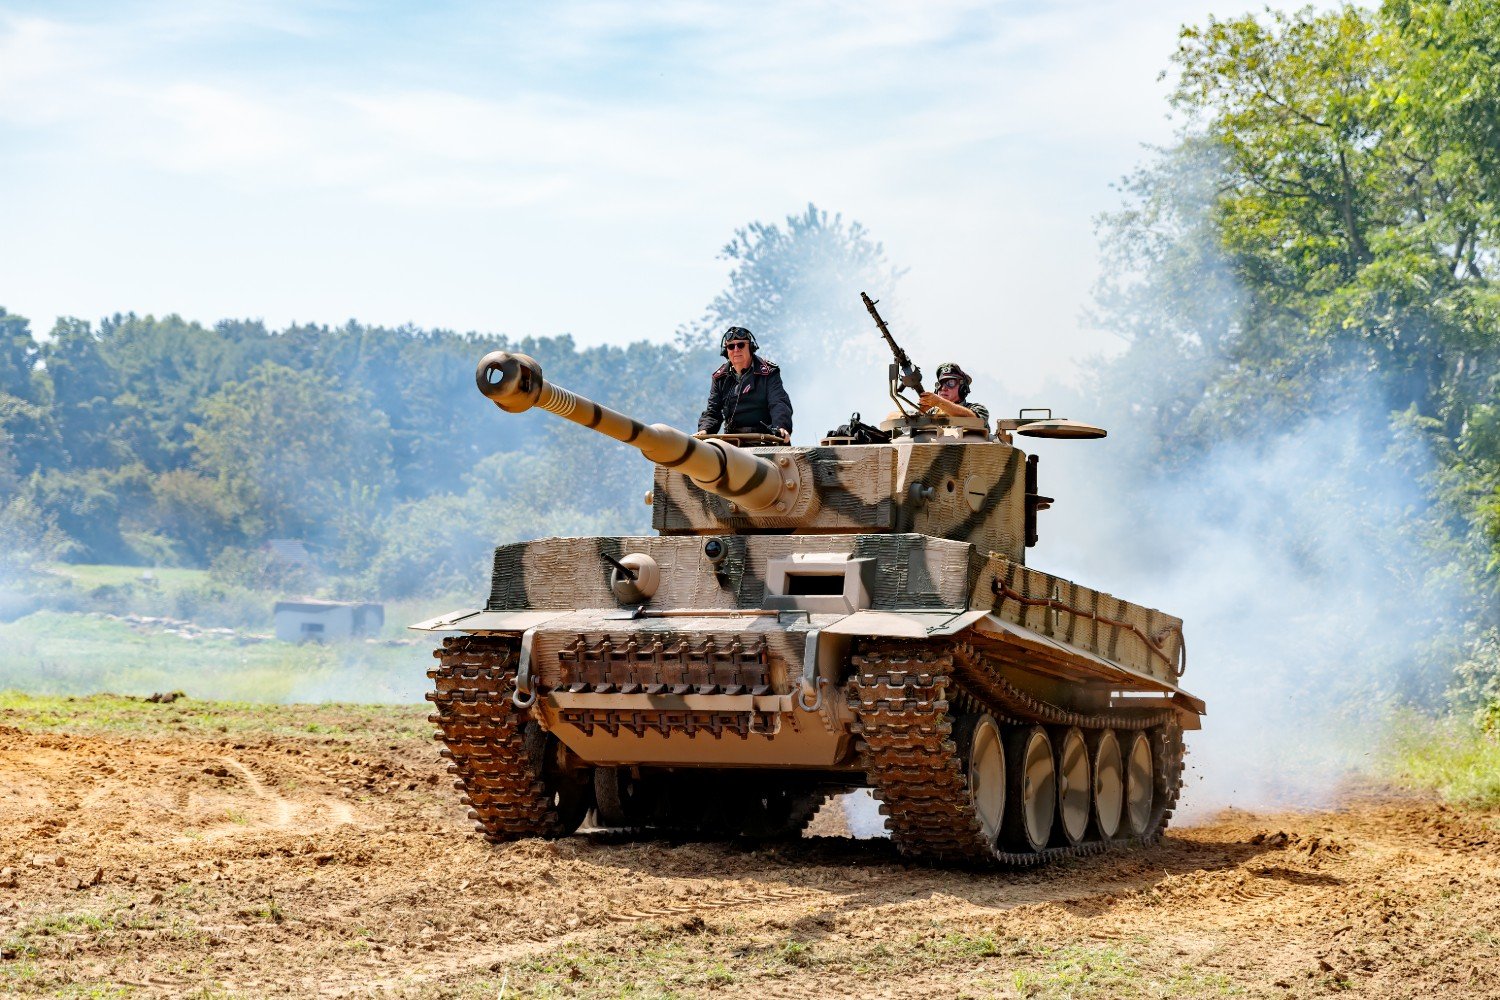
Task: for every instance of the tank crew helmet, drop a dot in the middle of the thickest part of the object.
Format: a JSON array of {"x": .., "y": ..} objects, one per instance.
[
  {"x": 950, "y": 370},
  {"x": 736, "y": 333}
]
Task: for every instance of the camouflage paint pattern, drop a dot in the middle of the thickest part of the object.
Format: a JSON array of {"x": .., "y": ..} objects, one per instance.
[
  {"x": 706, "y": 671},
  {"x": 916, "y": 572},
  {"x": 967, "y": 492}
]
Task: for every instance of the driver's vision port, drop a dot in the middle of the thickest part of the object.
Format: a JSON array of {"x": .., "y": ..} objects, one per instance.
[{"x": 814, "y": 585}]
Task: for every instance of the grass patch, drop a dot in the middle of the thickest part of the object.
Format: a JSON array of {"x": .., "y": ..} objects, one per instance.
[
  {"x": 986, "y": 964},
  {"x": 18, "y": 973},
  {"x": 88, "y": 576},
  {"x": 30, "y": 940},
  {"x": 56, "y": 653},
  {"x": 971, "y": 946},
  {"x": 269, "y": 911},
  {"x": 126, "y": 714},
  {"x": 1078, "y": 971},
  {"x": 1453, "y": 757}
]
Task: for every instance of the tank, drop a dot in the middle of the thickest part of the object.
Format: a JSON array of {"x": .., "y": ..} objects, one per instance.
[{"x": 807, "y": 621}]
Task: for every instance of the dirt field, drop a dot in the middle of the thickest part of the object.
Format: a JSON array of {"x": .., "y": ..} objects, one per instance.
[{"x": 175, "y": 850}]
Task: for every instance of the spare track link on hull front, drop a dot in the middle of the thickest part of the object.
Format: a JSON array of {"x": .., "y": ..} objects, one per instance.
[
  {"x": 497, "y": 756},
  {"x": 907, "y": 699}
]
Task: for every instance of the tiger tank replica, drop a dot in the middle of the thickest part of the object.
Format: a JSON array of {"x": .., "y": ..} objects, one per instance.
[{"x": 807, "y": 621}]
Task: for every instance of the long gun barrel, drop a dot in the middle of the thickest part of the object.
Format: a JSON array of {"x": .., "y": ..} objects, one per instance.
[
  {"x": 910, "y": 376},
  {"x": 514, "y": 383}
]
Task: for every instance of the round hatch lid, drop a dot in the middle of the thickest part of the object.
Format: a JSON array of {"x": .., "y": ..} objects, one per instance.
[{"x": 1060, "y": 428}]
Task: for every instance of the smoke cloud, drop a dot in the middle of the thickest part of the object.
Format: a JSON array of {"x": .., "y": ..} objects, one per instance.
[{"x": 1296, "y": 562}]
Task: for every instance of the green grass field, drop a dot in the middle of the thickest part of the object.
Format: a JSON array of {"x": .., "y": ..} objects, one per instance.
[
  {"x": 125, "y": 714},
  {"x": 1454, "y": 757},
  {"x": 77, "y": 654},
  {"x": 88, "y": 577}
]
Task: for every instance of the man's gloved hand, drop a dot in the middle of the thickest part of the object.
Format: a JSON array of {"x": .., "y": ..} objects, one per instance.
[
  {"x": 784, "y": 434},
  {"x": 700, "y": 435}
]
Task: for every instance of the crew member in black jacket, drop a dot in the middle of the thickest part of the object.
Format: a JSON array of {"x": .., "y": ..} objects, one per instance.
[{"x": 746, "y": 395}]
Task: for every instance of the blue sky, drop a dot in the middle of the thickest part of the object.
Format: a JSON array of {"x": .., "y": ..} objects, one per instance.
[{"x": 569, "y": 167}]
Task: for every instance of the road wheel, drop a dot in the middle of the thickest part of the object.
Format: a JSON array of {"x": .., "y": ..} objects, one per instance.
[
  {"x": 1074, "y": 790},
  {"x": 1139, "y": 783},
  {"x": 569, "y": 790},
  {"x": 620, "y": 798},
  {"x": 982, "y": 744},
  {"x": 1109, "y": 784},
  {"x": 1031, "y": 784}
]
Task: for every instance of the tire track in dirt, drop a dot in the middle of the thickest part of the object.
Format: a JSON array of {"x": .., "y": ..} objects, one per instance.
[
  {"x": 1386, "y": 897},
  {"x": 284, "y": 812},
  {"x": 617, "y": 917}
]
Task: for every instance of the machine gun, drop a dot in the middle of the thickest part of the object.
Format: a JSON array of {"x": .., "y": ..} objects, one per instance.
[{"x": 903, "y": 374}]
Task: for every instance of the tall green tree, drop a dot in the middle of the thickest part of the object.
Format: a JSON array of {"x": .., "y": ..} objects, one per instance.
[
  {"x": 84, "y": 391},
  {"x": 796, "y": 285},
  {"x": 1325, "y": 233},
  {"x": 289, "y": 451},
  {"x": 162, "y": 369},
  {"x": 25, "y": 397}
]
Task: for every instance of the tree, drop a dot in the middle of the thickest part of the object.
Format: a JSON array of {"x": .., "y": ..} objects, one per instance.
[
  {"x": 286, "y": 448},
  {"x": 162, "y": 369},
  {"x": 796, "y": 287},
  {"x": 1366, "y": 235},
  {"x": 84, "y": 390},
  {"x": 192, "y": 509},
  {"x": 1319, "y": 248},
  {"x": 25, "y": 405},
  {"x": 28, "y": 536},
  {"x": 19, "y": 356}
]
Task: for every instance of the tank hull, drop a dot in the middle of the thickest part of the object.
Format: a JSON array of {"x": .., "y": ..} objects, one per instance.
[{"x": 733, "y": 668}]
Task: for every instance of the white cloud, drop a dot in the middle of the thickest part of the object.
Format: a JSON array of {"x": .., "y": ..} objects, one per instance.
[{"x": 530, "y": 144}]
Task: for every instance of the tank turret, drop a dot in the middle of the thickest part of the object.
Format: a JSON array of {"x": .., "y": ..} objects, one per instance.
[
  {"x": 961, "y": 489},
  {"x": 805, "y": 621}
]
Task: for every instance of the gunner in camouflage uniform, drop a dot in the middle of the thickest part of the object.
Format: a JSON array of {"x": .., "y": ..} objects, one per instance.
[
  {"x": 746, "y": 395},
  {"x": 952, "y": 396}
]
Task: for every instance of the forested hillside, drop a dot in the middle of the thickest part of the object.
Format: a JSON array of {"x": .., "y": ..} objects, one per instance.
[
  {"x": 1308, "y": 277},
  {"x": 161, "y": 442}
]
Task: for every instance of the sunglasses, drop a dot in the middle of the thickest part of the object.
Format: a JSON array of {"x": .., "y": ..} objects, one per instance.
[
  {"x": 737, "y": 345},
  {"x": 949, "y": 383}
]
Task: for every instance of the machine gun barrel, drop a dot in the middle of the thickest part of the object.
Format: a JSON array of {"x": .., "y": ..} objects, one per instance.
[
  {"x": 910, "y": 376},
  {"x": 514, "y": 383}
]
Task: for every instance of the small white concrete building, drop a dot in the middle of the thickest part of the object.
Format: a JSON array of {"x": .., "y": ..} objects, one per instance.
[{"x": 311, "y": 620}]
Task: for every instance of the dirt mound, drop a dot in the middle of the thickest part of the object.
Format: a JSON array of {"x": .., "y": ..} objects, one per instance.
[{"x": 252, "y": 864}]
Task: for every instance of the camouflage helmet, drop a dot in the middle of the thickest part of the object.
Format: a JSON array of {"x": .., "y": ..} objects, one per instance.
[
  {"x": 950, "y": 369},
  {"x": 736, "y": 333}
]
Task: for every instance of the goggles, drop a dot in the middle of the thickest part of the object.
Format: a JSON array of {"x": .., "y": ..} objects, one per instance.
[
  {"x": 949, "y": 383},
  {"x": 737, "y": 345}
]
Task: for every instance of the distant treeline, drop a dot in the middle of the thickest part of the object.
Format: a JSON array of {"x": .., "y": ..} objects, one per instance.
[
  {"x": 153, "y": 441},
  {"x": 147, "y": 440}
]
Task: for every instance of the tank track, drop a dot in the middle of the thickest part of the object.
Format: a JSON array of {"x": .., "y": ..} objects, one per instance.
[
  {"x": 905, "y": 699},
  {"x": 497, "y": 756},
  {"x": 502, "y": 763}
]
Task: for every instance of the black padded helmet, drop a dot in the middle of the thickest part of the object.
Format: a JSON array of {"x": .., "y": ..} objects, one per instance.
[
  {"x": 736, "y": 333},
  {"x": 950, "y": 369}
]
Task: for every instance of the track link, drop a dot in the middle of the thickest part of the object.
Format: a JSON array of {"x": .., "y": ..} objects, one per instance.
[
  {"x": 497, "y": 756},
  {"x": 902, "y": 696}
]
